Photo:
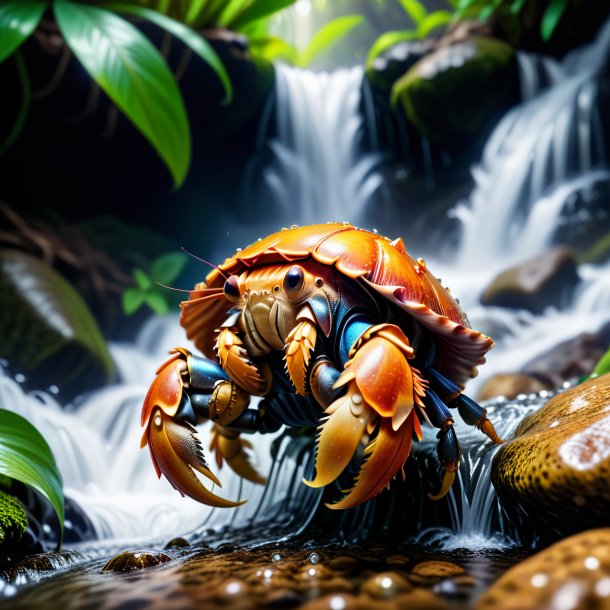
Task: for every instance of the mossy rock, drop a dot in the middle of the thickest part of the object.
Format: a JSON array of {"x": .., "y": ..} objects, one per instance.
[
  {"x": 13, "y": 519},
  {"x": 459, "y": 91},
  {"x": 48, "y": 333}
]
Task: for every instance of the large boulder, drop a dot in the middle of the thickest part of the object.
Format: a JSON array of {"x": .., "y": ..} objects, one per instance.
[
  {"x": 456, "y": 94},
  {"x": 573, "y": 573},
  {"x": 535, "y": 284},
  {"x": 555, "y": 472}
]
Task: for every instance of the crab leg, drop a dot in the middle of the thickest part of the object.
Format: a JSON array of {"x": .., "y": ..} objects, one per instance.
[{"x": 381, "y": 387}]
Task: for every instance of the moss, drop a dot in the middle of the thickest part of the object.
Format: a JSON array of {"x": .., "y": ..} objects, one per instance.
[{"x": 13, "y": 518}]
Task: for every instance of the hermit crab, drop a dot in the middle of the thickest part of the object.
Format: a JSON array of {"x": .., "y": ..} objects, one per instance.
[{"x": 333, "y": 327}]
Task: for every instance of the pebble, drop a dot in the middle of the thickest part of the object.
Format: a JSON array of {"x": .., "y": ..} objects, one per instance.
[
  {"x": 282, "y": 598},
  {"x": 385, "y": 585},
  {"x": 397, "y": 560},
  {"x": 437, "y": 569},
  {"x": 128, "y": 561},
  {"x": 343, "y": 563},
  {"x": 340, "y": 601},
  {"x": 177, "y": 543}
]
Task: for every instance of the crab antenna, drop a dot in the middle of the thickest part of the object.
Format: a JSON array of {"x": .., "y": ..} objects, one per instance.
[
  {"x": 171, "y": 287},
  {"x": 203, "y": 261}
]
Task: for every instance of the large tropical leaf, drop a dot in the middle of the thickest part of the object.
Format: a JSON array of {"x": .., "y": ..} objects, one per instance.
[
  {"x": 186, "y": 34},
  {"x": 26, "y": 457},
  {"x": 432, "y": 21},
  {"x": 259, "y": 10},
  {"x": 329, "y": 35},
  {"x": 134, "y": 75},
  {"x": 18, "y": 19},
  {"x": 273, "y": 48},
  {"x": 19, "y": 121},
  {"x": 415, "y": 9}
]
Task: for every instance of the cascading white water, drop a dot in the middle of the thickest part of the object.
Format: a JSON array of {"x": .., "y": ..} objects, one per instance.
[{"x": 319, "y": 171}]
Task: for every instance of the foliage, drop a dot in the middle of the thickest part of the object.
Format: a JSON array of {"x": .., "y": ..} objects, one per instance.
[
  {"x": 124, "y": 63},
  {"x": 26, "y": 457},
  {"x": 150, "y": 288},
  {"x": 426, "y": 22},
  {"x": 13, "y": 518},
  {"x": 274, "y": 48},
  {"x": 603, "y": 366}
]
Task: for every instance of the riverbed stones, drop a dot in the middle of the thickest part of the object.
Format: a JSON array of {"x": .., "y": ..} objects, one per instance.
[
  {"x": 536, "y": 283},
  {"x": 459, "y": 91},
  {"x": 511, "y": 385},
  {"x": 128, "y": 561},
  {"x": 572, "y": 574},
  {"x": 556, "y": 471}
]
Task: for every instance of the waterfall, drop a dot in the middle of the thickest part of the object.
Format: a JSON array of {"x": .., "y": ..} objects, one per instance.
[
  {"x": 320, "y": 170},
  {"x": 541, "y": 153}
]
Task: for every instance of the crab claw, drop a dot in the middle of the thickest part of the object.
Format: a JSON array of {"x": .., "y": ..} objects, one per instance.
[
  {"x": 448, "y": 450},
  {"x": 227, "y": 445},
  {"x": 174, "y": 444}
]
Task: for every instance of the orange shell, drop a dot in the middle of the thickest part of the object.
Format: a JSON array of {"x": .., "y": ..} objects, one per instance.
[{"x": 382, "y": 264}]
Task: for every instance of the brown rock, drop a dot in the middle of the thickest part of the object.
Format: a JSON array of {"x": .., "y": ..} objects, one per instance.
[
  {"x": 556, "y": 471},
  {"x": 574, "y": 574},
  {"x": 420, "y": 599},
  {"x": 343, "y": 563},
  {"x": 397, "y": 560},
  {"x": 128, "y": 561},
  {"x": 511, "y": 385},
  {"x": 535, "y": 283},
  {"x": 438, "y": 569},
  {"x": 344, "y": 601},
  {"x": 385, "y": 585}
]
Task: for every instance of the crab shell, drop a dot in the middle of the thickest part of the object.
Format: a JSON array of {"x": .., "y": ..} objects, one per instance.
[{"x": 381, "y": 264}]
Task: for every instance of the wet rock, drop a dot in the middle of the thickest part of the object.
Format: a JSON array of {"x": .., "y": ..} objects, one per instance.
[
  {"x": 232, "y": 590},
  {"x": 397, "y": 560},
  {"x": 510, "y": 385},
  {"x": 128, "y": 561},
  {"x": 457, "y": 93},
  {"x": 556, "y": 471},
  {"x": 343, "y": 563},
  {"x": 535, "y": 284},
  {"x": 282, "y": 598},
  {"x": 339, "y": 601},
  {"x": 390, "y": 64},
  {"x": 35, "y": 565},
  {"x": 573, "y": 573},
  {"x": 177, "y": 543},
  {"x": 422, "y": 599},
  {"x": 571, "y": 359},
  {"x": 385, "y": 585},
  {"x": 437, "y": 569}
]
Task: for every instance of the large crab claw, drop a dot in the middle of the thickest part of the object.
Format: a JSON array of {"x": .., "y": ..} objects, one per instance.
[
  {"x": 382, "y": 390},
  {"x": 174, "y": 444}
]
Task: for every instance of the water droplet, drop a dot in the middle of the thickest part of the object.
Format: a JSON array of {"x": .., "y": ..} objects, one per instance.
[
  {"x": 314, "y": 558},
  {"x": 19, "y": 377},
  {"x": 53, "y": 389},
  {"x": 276, "y": 557}
]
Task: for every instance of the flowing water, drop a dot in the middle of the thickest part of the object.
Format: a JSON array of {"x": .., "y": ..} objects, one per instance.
[{"x": 539, "y": 156}]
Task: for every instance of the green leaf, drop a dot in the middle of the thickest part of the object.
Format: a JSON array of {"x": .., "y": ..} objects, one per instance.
[
  {"x": 18, "y": 19},
  {"x": 231, "y": 10},
  {"x": 26, "y": 457},
  {"x": 167, "y": 267},
  {"x": 273, "y": 48},
  {"x": 143, "y": 282},
  {"x": 134, "y": 75},
  {"x": 156, "y": 302},
  {"x": 434, "y": 20},
  {"x": 387, "y": 40},
  {"x": 259, "y": 10},
  {"x": 603, "y": 366},
  {"x": 132, "y": 300},
  {"x": 329, "y": 35},
  {"x": 19, "y": 121},
  {"x": 186, "y": 34},
  {"x": 517, "y": 6},
  {"x": 552, "y": 15},
  {"x": 415, "y": 9}
]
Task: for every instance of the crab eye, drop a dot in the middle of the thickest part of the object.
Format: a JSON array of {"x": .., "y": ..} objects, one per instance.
[
  {"x": 232, "y": 288},
  {"x": 294, "y": 280}
]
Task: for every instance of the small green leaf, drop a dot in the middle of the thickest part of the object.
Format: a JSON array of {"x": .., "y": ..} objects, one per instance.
[
  {"x": 329, "y": 35},
  {"x": 18, "y": 19},
  {"x": 603, "y": 366},
  {"x": 387, "y": 40},
  {"x": 259, "y": 10},
  {"x": 231, "y": 10},
  {"x": 517, "y": 6},
  {"x": 273, "y": 48},
  {"x": 434, "y": 20},
  {"x": 552, "y": 15},
  {"x": 26, "y": 457},
  {"x": 132, "y": 300},
  {"x": 143, "y": 282},
  {"x": 415, "y": 9},
  {"x": 186, "y": 34},
  {"x": 156, "y": 302},
  {"x": 167, "y": 267},
  {"x": 19, "y": 121},
  {"x": 134, "y": 75}
]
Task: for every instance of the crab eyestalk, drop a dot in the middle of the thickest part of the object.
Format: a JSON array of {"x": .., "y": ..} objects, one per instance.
[{"x": 174, "y": 444}]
